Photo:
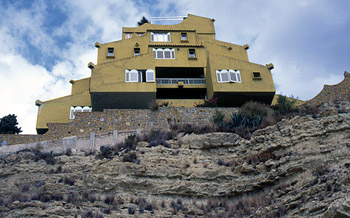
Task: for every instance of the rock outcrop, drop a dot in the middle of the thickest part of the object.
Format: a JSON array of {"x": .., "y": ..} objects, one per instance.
[{"x": 296, "y": 168}]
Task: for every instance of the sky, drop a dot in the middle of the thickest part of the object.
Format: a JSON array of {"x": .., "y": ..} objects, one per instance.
[{"x": 46, "y": 43}]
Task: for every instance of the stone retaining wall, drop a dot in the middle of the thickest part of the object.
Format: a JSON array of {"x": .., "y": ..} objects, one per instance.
[
  {"x": 331, "y": 93},
  {"x": 123, "y": 119}
]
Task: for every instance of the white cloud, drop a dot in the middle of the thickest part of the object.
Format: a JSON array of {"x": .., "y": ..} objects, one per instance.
[{"x": 306, "y": 40}]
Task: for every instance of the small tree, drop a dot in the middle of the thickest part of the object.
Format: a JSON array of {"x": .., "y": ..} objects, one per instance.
[
  {"x": 142, "y": 21},
  {"x": 8, "y": 125}
]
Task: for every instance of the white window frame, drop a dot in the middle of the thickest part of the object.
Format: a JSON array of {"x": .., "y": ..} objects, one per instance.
[
  {"x": 137, "y": 54},
  {"x": 131, "y": 76},
  {"x": 160, "y": 37},
  {"x": 78, "y": 109},
  {"x": 128, "y": 35},
  {"x": 159, "y": 53},
  {"x": 193, "y": 55},
  {"x": 150, "y": 76},
  {"x": 235, "y": 76},
  {"x": 231, "y": 75},
  {"x": 184, "y": 38},
  {"x": 139, "y": 34},
  {"x": 110, "y": 54}
]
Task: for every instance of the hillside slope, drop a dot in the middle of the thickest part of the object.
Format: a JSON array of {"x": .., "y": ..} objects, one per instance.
[{"x": 297, "y": 168}]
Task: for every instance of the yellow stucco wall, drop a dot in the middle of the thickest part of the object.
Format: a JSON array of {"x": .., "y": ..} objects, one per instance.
[
  {"x": 108, "y": 75},
  {"x": 79, "y": 86},
  {"x": 58, "y": 110},
  {"x": 249, "y": 84}
]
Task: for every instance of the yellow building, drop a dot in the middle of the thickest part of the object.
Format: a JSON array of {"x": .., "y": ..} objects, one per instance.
[{"x": 181, "y": 64}]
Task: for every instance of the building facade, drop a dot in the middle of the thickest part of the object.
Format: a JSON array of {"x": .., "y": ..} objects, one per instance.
[{"x": 180, "y": 65}]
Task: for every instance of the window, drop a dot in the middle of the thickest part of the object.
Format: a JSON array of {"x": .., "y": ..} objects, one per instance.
[
  {"x": 110, "y": 52},
  {"x": 136, "y": 51},
  {"x": 139, "y": 76},
  {"x": 139, "y": 34},
  {"x": 235, "y": 76},
  {"x": 192, "y": 53},
  {"x": 164, "y": 53},
  {"x": 150, "y": 75},
  {"x": 256, "y": 75},
  {"x": 183, "y": 36},
  {"x": 228, "y": 76},
  {"x": 160, "y": 37},
  {"x": 131, "y": 76},
  {"x": 78, "y": 109},
  {"x": 128, "y": 35}
]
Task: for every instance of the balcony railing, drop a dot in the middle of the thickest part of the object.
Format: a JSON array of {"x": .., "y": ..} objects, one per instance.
[{"x": 175, "y": 81}]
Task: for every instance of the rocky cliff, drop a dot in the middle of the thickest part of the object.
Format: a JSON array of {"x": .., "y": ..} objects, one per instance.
[{"x": 296, "y": 168}]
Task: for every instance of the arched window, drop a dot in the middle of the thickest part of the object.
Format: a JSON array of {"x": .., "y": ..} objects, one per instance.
[{"x": 150, "y": 75}]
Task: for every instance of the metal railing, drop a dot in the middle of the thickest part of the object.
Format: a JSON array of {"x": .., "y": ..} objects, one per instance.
[{"x": 189, "y": 81}]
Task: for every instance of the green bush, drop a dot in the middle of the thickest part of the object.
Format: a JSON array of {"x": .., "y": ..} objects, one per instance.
[
  {"x": 285, "y": 105},
  {"x": 105, "y": 152},
  {"x": 253, "y": 110},
  {"x": 218, "y": 120},
  {"x": 153, "y": 105}
]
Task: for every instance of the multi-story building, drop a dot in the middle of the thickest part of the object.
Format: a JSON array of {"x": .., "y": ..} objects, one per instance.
[{"x": 180, "y": 64}]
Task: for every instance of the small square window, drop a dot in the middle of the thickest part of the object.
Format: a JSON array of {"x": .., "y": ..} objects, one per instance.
[
  {"x": 110, "y": 52},
  {"x": 136, "y": 51},
  {"x": 192, "y": 53},
  {"x": 183, "y": 36},
  {"x": 256, "y": 75},
  {"x": 139, "y": 34}
]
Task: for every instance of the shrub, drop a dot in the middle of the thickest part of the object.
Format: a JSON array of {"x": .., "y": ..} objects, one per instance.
[
  {"x": 109, "y": 200},
  {"x": 166, "y": 104},
  {"x": 158, "y": 137},
  {"x": 69, "y": 152},
  {"x": 105, "y": 152},
  {"x": 25, "y": 188},
  {"x": 131, "y": 210},
  {"x": 106, "y": 210},
  {"x": 130, "y": 157},
  {"x": 308, "y": 109},
  {"x": 129, "y": 144},
  {"x": 285, "y": 105},
  {"x": 253, "y": 110},
  {"x": 211, "y": 102},
  {"x": 69, "y": 181},
  {"x": 48, "y": 157},
  {"x": 239, "y": 120},
  {"x": 59, "y": 169},
  {"x": 152, "y": 105},
  {"x": 218, "y": 120}
]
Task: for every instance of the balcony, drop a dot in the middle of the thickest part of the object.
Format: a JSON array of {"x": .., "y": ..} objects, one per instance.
[{"x": 185, "y": 81}]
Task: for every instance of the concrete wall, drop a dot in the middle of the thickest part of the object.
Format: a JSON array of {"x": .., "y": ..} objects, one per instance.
[
  {"x": 122, "y": 120},
  {"x": 84, "y": 143}
]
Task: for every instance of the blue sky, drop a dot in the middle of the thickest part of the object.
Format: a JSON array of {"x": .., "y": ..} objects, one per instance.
[{"x": 44, "y": 44}]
